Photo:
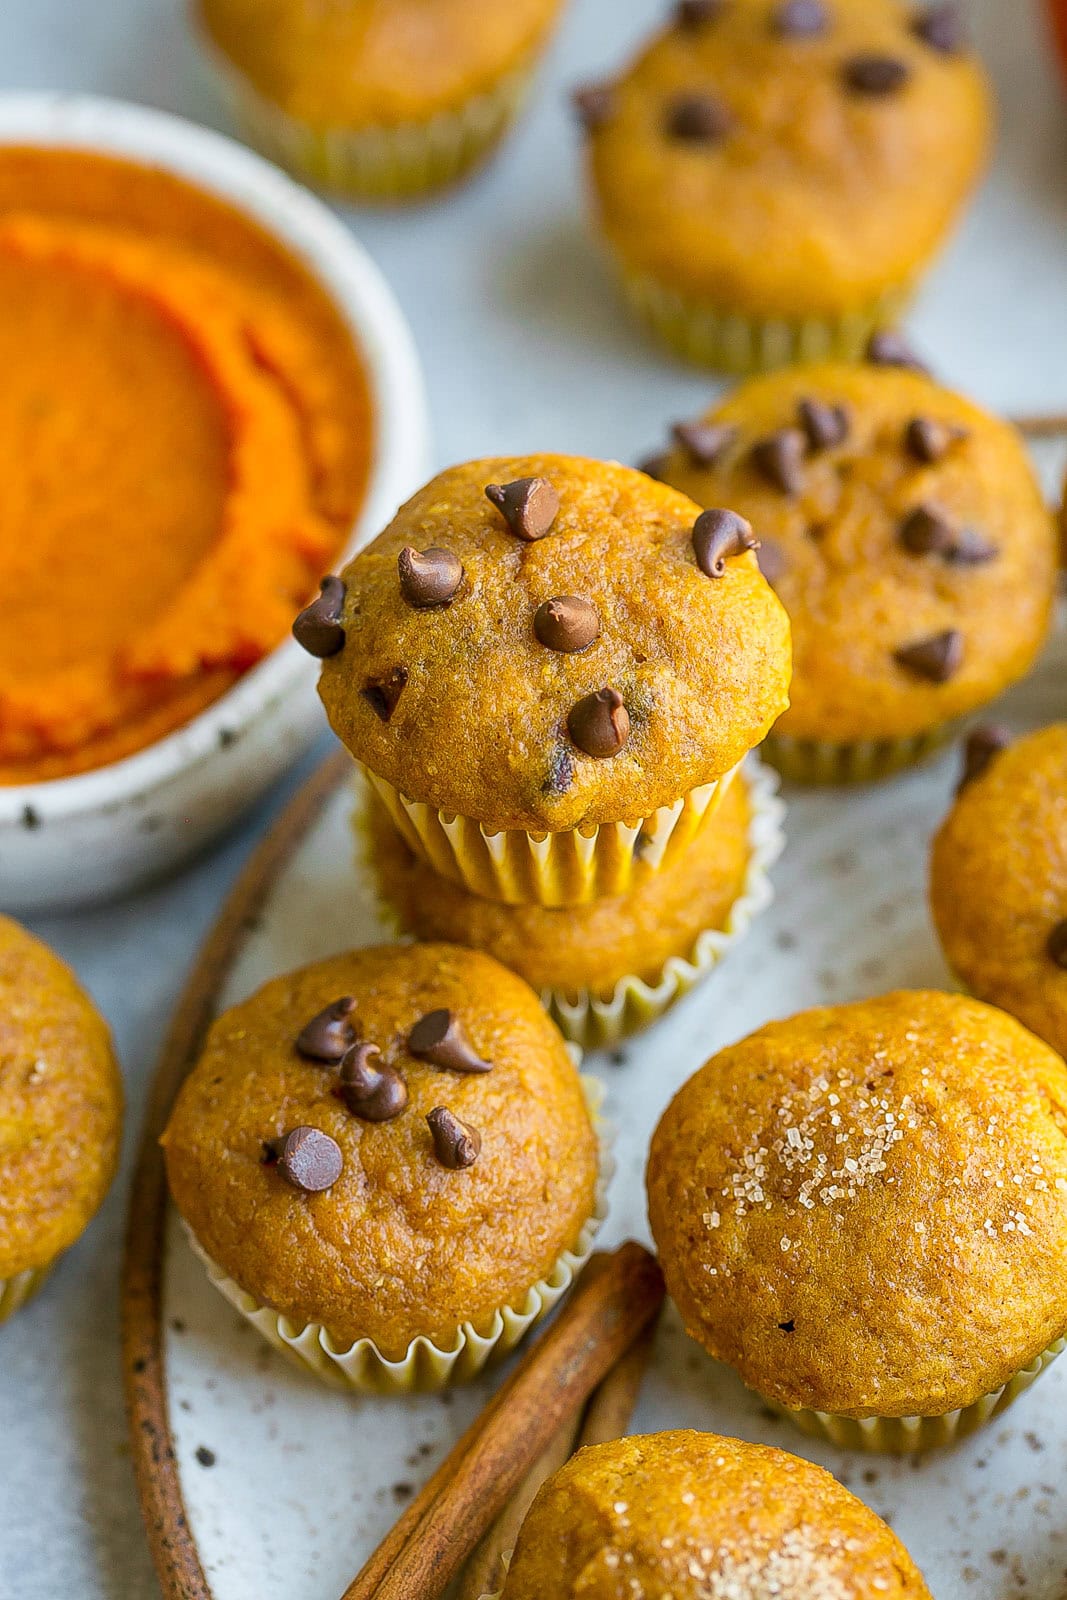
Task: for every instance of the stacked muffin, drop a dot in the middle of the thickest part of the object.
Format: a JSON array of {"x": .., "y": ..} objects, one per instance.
[{"x": 550, "y": 670}]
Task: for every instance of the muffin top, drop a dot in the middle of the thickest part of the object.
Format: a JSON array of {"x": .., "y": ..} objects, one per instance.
[
  {"x": 588, "y": 947},
  {"x": 697, "y": 1517},
  {"x": 60, "y": 1104},
  {"x": 903, "y": 529},
  {"x": 998, "y": 879},
  {"x": 557, "y": 658},
  {"x": 368, "y": 63},
  {"x": 442, "y": 1164},
  {"x": 864, "y": 1209},
  {"x": 839, "y": 127}
]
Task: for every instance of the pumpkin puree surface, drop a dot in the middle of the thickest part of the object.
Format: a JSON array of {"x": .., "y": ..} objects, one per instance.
[{"x": 186, "y": 429}]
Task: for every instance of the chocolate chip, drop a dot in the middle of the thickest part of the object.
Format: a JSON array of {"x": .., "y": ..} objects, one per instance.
[
  {"x": 937, "y": 658},
  {"x": 529, "y": 506},
  {"x": 875, "y": 75},
  {"x": 927, "y": 531},
  {"x": 329, "y": 1034},
  {"x": 971, "y": 550},
  {"x": 429, "y": 578},
  {"x": 560, "y": 772},
  {"x": 567, "y": 624},
  {"x": 600, "y": 724},
  {"x": 717, "y": 535},
  {"x": 888, "y": 348},
  {"x": 928, "y": 440},
  {"x": 595, "y": 105},
  {"x": 382, "y": 694},
  {"x": 943, "y": 28},
  {"x": 704, "y": 443},
  {"x": 698, "y": 119},
  {"x": 371, "y": 1090},
  {"x": 779, "y": 458},
  {"x": 980, "y": 748},
  {"x": 439, "y": 1038},
  {"x": 788, "y": 1327},
  {"x": 825, "y": 425},
  {"x": 693, "y": 14},
  {"x": 801, "y": 19},
  {"x": 655, "y": 466},
  {"x": 310, "y": 1160},
  {"x": 772, "y": 560},
  {"x": 1057, "y": 944},
  {"x": 319, "y": 629},
  {"x": 455, "y": 1144}
]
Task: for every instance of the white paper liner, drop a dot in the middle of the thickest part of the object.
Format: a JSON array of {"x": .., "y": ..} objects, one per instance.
[
  {"x": 15, "y": 1291},
  {"x": 426, "y": 1368},
  {"x": 818, "y": 761}
]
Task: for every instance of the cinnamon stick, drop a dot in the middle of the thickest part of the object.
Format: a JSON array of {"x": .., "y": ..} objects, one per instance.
[
  {"x": 608, "y": 1414},
  {"x": 616, "y": 1298}
]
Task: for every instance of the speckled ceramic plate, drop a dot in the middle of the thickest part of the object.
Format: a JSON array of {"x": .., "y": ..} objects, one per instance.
[{"x": 256, "y": 1482}]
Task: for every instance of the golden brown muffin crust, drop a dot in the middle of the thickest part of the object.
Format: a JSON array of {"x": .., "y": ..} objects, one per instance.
[
  {"x": 854, "y": 592},
  {"x": 864, "y": 1209},
  {"x": 480, "y": 724},
  {"x": 690, "y": 1516},
  {"x": 399, "y": 1246},
  {"x": 998, "y": 882},
  {"x": 60, "y": 1104}
]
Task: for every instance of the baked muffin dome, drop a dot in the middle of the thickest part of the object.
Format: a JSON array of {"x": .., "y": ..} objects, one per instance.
[
  {"x": 864, "y": 1209},
  {"x": 446, "y": 689},
  {"x": 60, "y": 1105},
  {"x": 998, "y": 881},
  {"x": 408, "y": 1237},
  {"x": 691, "y": 1515}
]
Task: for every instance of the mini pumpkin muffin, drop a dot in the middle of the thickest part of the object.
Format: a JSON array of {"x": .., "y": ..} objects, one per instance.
[
  {"x": 609, "y": 968},
  {"x": 388, "y": 1161},
  {"x": 549, "y": 667},
  {"x": 907, "y": 536},
  {"x": 864, "y": 1211},
  {"x": 60, "y": 1112},
  {"x": 772, "y": 179},
  {"x": 998, "y": 878},
  {"x": 694, "y": 1516},
  {"x": 380, "y": 99}
]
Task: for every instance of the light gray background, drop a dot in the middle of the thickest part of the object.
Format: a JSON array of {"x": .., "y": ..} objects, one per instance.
[{"x": 525, "y": 348}]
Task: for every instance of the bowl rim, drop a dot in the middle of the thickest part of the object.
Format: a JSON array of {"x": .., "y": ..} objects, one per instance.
[{"x": 324, "y": 245}]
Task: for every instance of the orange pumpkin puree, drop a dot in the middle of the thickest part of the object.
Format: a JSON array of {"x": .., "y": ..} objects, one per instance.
[{"x": 185, "y": 428}]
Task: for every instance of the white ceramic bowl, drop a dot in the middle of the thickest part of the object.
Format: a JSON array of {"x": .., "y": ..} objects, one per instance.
[{"x": 76, "y": 840}]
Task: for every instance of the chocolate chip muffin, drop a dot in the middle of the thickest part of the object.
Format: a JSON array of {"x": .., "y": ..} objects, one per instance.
[
  {"x": 388, "y": 1160},
  {"x": 772, "y": 179},
  {"x": 864, "y": 1211},
  {"x": 694, "y": 1516},
  {"x": 907, "y": 536},
  {"x": 60, "y": 1112},
  {"x": 998, "y": 877},
  {"x": 549, "y": 668}
]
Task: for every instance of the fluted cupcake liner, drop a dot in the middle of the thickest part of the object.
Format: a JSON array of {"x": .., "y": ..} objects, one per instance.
[
  {"x": 16, "y": 1290},
  {"x": 426, "y": 1367},
  {"x": 552, "y": 869},
  {"x": 818, "y": 761}
]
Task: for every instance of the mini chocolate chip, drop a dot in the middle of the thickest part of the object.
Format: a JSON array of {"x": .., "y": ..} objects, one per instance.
[
  {"x": 206, "y": 1457},
  {"x": 31, "y": 818},
  {"x": 1057, "y": 944},
  {"x": 595, "y": 104},
  {"x": 567, "y": 624},
  {"x": 310, "y": 1160},
  {"x": 825, "y": 425},
  {"x": 372, "y": 1092},
  {"x": 927, "y": 531},
  {"x": 692, "y": 14},
  {"x": 319, "y": 629},
  {"x": 980, "y": 748},
  {"x": 600, "y": 724},
  {"x": 329, "y": 1034},
  {"x": 529, "y": 506},
  {"x": 560, "y": 772},
  {"x": 439, "y": 1038},
  {"x": 928, "y": 439},
  {"x": 875, "y": 75},
  {"x": 382, "y": 694},
  {"x": 801, "y": 19},
  {"x": 779, "y": 458},
  {"x": 936, "y": 658},
  {"x": 717, "y": 535},
  {"x": 429, "y": 578},
  {"x": 655, "y": 466},
  {"x": 772, "y": 560},
  {"x": 943, "y": 28},
  {"x": 971, "y": 550},
  {"x": 889, "y": 348},
  {"x": 698, "y": 118},
  {"x": 704, "y": 443},
  {"x": 788, "y": 1327},
  {"x": 455, "y": 1144}
]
